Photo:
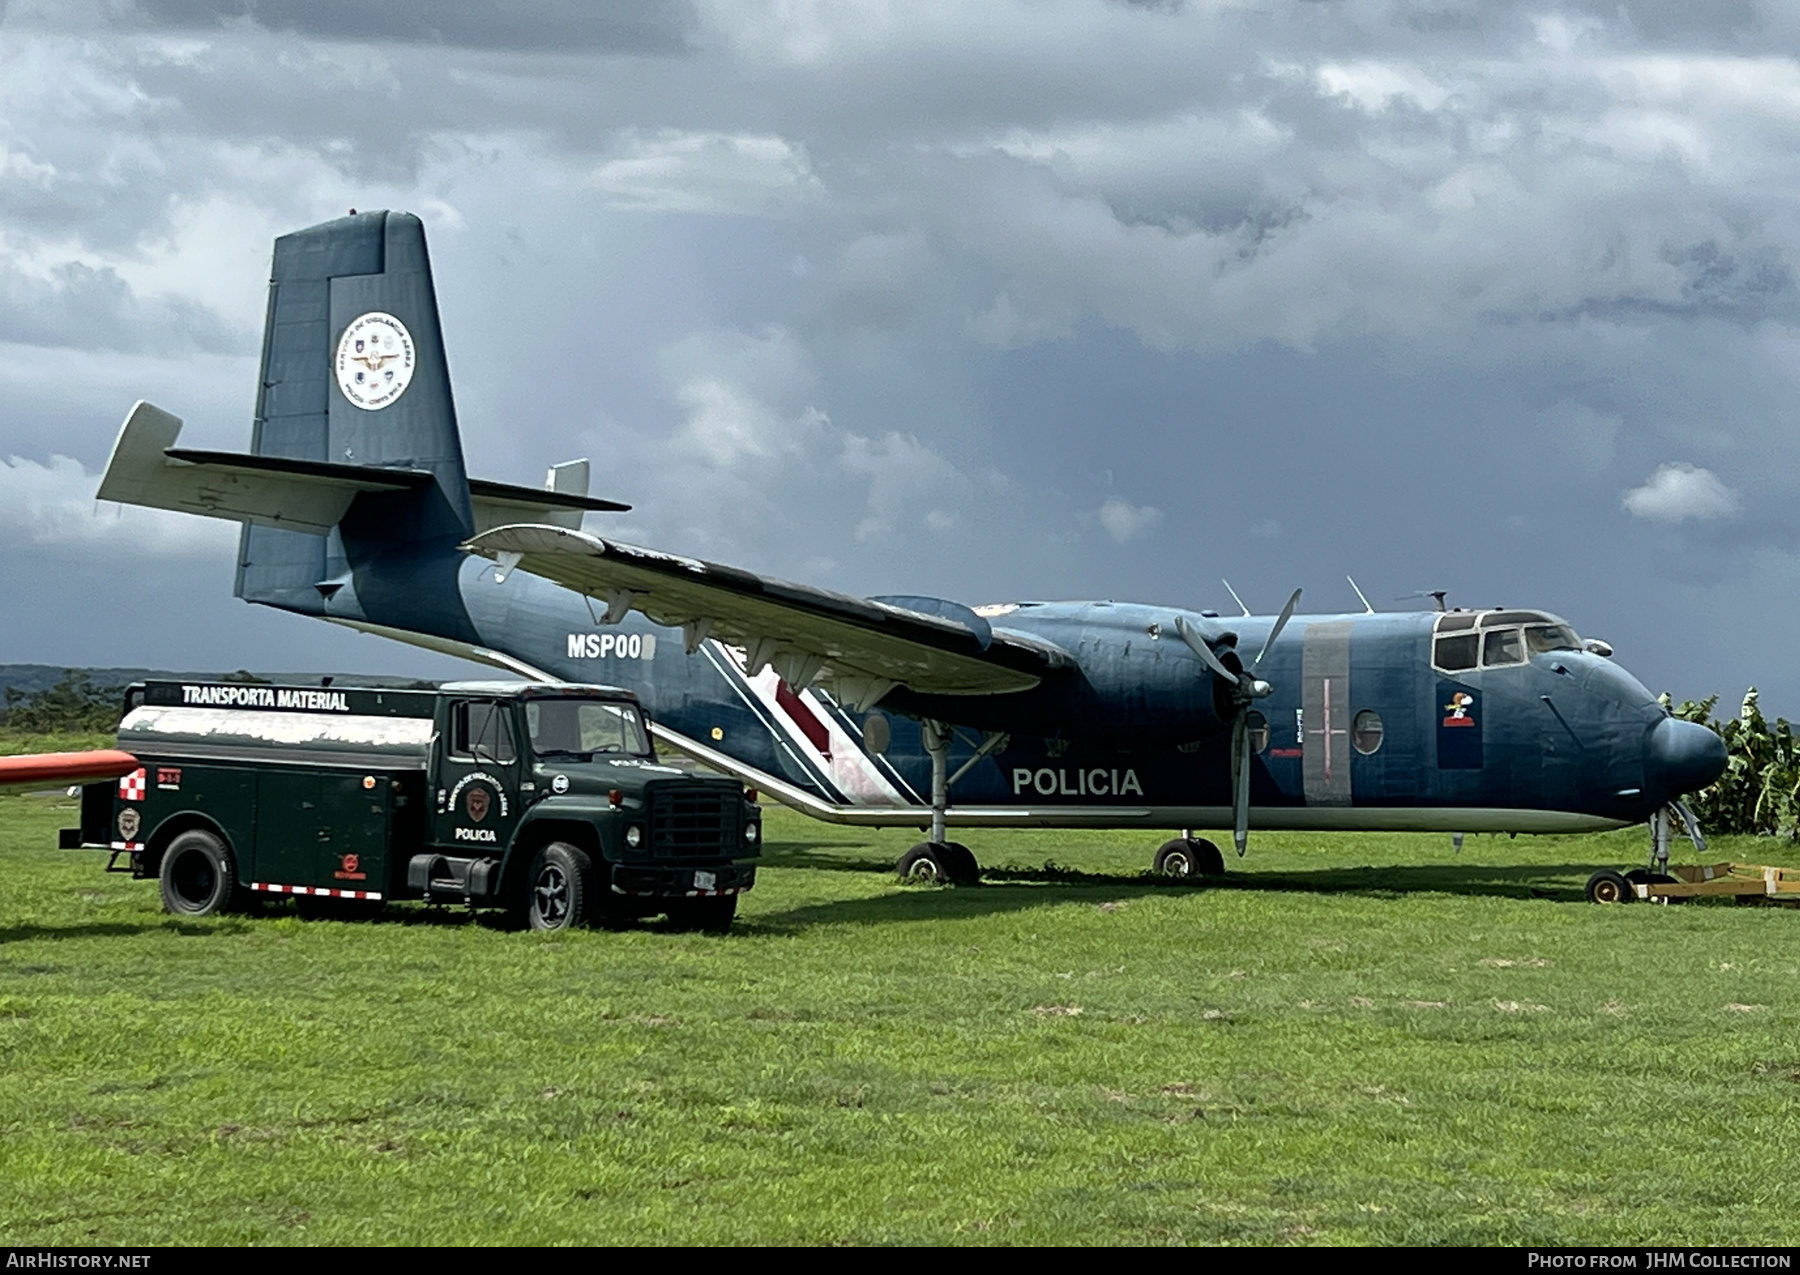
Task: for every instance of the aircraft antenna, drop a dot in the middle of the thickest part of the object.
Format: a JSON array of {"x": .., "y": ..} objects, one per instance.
[
  {"x": 1359, "y": 597},
  {"x": 1234, "y": 596}
]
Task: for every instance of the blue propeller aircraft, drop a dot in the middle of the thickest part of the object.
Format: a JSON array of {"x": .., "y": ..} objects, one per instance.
[{"x": 357, "y": 510}]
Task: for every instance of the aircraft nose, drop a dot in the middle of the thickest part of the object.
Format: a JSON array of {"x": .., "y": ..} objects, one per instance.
[{"x": 1683, "y": 756}]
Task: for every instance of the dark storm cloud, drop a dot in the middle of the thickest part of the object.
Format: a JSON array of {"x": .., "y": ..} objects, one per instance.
[
  {"x": 658, "y": 27},
  {"x": 1049, "y": 298}
]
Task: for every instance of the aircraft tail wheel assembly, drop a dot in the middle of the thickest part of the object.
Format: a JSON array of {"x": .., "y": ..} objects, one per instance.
[{"x": 1246, "y": 689}]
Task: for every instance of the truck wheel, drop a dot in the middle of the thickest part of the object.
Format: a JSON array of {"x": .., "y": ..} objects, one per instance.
[
  {"x": 198, "y": 875},
  {"x": 713, "y": 916},
  {"x": 559, "y": 889}
]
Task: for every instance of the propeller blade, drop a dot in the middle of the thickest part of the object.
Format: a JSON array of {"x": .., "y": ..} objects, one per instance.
[
  {"x": 1240, "y": 782},
  {"x": 1192, "y": 637},
  {"x": 1287, "y": 613}
]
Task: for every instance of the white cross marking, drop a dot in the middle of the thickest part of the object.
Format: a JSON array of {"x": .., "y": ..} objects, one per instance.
[{"x": 1326, "y": 731}]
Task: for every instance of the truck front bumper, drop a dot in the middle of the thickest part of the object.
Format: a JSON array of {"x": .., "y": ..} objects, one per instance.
[{"x": 644, "y": 880}]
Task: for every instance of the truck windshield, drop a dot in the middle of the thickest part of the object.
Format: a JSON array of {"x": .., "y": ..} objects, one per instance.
[{"x": 583, "y": 727}]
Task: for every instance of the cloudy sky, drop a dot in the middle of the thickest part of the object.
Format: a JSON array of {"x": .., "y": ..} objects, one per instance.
[{"x": 1050, "y": 299}]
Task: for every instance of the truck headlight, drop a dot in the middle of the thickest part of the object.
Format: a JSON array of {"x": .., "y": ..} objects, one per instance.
[
  {"x": 752, "y": 833},
  {"x": 634, "y": 836}
]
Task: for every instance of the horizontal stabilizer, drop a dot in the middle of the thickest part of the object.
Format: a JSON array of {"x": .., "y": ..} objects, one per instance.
[
  {"x": 299, "y": 495},
  {"x": 271, "y": 491},
  {"x": 501, "y": 504}
]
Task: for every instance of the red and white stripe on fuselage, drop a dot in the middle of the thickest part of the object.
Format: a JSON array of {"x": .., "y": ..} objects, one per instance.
[
  {"x": 813, "y": 731},
  {"x": 324, "y": 892}
]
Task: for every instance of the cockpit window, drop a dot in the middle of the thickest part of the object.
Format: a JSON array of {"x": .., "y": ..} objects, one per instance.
[
  {"x": 1496, "y": 639},
  {"x": 1551, "y": 637},
  {"x": 1500, "y": 647},
  {"x": 584, "y": 727},
  {"x": 1455, "y": 653}
]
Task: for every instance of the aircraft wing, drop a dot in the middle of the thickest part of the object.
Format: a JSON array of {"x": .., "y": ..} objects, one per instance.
[{"x": 862, "y": 647}]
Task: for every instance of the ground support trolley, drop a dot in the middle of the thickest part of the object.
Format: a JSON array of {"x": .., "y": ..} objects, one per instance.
[{"x": 1746, "y": 882}]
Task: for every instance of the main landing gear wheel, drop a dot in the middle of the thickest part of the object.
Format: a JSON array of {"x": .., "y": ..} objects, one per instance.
[
  {"x": 198, "y": 876},
  {"x": 1189, "y": 857},
  {"x": 1607, "y": 886},
  {"x": 939, "y": 863}
]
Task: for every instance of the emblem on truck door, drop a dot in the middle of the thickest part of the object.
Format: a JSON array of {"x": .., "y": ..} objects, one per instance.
[
  {"x": 129, "y": 823},
  {"x": 493, "y": 794}
]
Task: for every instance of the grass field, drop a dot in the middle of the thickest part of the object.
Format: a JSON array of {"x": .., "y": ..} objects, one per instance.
[{"x": 1350, "y": 1040}]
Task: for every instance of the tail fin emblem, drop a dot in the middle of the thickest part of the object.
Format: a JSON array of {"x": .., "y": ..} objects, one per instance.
[{"x": 374, "y": 342}]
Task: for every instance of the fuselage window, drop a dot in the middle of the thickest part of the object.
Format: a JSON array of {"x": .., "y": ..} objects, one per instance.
[
  {"x": 1365, "y": 731},
  {"x": 1502, "y": 647},
  {"x": 1455, "y": 654},
  {"x": 1256, "y": 726}
]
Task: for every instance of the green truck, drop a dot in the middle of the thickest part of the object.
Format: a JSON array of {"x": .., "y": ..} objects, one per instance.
[{"x": 545, "y": 800}]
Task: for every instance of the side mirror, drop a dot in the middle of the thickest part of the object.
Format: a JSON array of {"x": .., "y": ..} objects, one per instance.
[{"x": 1594, "y": 646}]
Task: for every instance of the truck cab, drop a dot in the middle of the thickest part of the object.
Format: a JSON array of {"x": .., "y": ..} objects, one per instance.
[
  {"x": 538, "y": 766},
  {"x": 545, "y": 800}
]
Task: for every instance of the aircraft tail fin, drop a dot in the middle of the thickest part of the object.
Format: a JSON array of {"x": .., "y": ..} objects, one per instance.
[
  {"x": 356, "y": 456},
  {"x": 354, "y": 374}
]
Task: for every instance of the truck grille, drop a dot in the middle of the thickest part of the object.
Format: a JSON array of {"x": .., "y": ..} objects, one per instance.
[{"x": 693, "y": 823}]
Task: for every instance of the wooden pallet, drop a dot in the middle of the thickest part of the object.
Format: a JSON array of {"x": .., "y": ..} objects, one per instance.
[{"x": 1742, "y": 879}]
